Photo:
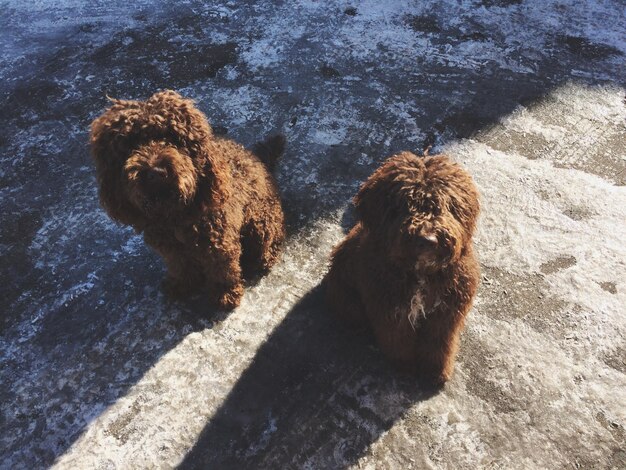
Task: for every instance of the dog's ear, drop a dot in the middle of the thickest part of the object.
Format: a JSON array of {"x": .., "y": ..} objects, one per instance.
[
  {"x": 214, "y": 182},
  {"x": 465, "y": 206},
  {"x": 178, "y": 119},
  {"x": 371, "y": 200},
  {"x": 112, "y": 131},
  {"x": 111, "y": 140},
  {"x": 384, "y": 195},
  {"x": 463, "y": 202}
]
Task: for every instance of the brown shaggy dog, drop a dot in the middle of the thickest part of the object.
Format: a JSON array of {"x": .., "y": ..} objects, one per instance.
[
  {"x": 205, "y": 204},
  {"x": 407, "y": 268}
]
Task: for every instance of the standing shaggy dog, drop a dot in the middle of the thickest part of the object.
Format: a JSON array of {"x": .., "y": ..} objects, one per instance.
[
  {"x": 407, "y": 268},
  {"x": 205, "y": 204}
]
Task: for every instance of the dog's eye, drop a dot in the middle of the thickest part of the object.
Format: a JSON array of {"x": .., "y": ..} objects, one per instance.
[{"x": 430, "y": 207}]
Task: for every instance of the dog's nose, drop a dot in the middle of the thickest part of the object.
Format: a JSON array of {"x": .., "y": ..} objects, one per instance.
[
  {"x": 428, "y": 240},
  {"x": 156, "y": 175}
]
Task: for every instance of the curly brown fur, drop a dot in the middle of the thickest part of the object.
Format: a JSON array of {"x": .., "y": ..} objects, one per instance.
[
  {"x": 204, "y": 203},
  {"x": 407, "y": 268}
]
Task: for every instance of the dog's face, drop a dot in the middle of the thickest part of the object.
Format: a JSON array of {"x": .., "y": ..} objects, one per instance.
[
  {"x": 423, "y": 209},
  {"x": 149, "y": 156},
  {"x": 159, "y": 178}
]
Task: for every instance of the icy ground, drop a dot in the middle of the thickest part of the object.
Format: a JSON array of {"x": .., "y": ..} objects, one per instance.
[{"x": 99, "y": 370}]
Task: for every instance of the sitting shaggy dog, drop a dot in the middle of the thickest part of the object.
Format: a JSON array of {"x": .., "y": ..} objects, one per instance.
[
  {"x": 209, "y": 207},
  {"x": 407, "y": 268}
]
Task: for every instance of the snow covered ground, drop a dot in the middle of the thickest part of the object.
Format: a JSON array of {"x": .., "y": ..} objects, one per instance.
[{"x": 99, "y": 370}]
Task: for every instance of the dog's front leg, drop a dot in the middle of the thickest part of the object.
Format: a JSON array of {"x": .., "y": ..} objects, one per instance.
[
  {"x": 222, "y": 272},
  {"x": 184, "y": 276},
  {"x": 439, "y": 335},
  {"x": 438, "y": 344},
  {"x": 184, "y": 272}
]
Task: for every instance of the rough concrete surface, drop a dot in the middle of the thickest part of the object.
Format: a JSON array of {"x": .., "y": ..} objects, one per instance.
[{"x": 99, "y": 370}]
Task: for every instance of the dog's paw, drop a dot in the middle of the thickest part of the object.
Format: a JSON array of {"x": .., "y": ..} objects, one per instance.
[
  {"x": 433, "y": 382},
  {"x": 231, "y": 298},
  {"x": 433, "y": 377}
]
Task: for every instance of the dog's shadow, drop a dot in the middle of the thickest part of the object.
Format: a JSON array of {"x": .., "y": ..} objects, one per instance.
[
  {"x": 316, "y": 395},
  {"x": 88, "y": 351}
]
